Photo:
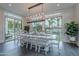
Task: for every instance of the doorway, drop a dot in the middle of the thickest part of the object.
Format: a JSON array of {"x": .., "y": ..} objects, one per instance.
[{"x": 11, "y": 27}]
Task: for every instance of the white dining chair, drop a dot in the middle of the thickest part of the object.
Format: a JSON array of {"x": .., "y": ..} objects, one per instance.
[
  {"x": 33, "y": 43},
  {"x": 20, "y": 38},
  {"x": 16, "y": 38},
  {"x": 43, "y": 43},
  {"x": 27, "y": 41}
]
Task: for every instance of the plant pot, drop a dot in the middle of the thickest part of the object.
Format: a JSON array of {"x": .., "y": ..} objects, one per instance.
[{"x": 72, "y": 38}]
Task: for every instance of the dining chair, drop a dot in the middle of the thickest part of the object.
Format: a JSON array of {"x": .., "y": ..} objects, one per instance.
[
  {"x": 27, "y": 41},
  {"x": 16, "y": 37},
  {"x": 21, "y": 40},
  {"x": 33, "y": 42},
  {"x": 43, "y": 43}
]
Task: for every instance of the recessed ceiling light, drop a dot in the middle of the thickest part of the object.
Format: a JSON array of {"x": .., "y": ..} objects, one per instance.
[
  {"x": 58, "y": 5},
  {"x": 10, "y": 5}
]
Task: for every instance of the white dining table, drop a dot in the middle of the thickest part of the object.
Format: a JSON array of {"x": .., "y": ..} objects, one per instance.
[{"x": 46, "y": 36}]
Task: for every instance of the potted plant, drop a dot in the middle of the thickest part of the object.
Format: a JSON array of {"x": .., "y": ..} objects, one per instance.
[{"x": 72, "y": 30}]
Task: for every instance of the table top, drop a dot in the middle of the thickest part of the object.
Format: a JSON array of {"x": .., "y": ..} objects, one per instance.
[{"x": 47, "y": 36}]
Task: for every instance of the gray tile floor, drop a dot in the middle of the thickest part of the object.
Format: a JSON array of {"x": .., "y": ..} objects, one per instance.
[{"x": 65, "y": 49}]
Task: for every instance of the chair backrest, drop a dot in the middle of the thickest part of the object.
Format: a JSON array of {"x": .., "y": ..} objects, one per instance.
[{"x": 41, "y": 41}]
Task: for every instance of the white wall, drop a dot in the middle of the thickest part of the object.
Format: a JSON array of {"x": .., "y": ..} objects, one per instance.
[
  {"x": 67, "y": 16},
  {"x": 77, "y": 12},
  {"x": 2, "y": 22},
  {"x": 77, "y": 18}
]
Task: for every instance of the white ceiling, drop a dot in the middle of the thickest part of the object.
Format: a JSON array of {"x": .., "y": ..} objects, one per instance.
[{"x": 22, "y": 8}]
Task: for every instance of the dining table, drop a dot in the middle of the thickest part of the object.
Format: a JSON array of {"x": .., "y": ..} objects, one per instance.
[{"x": 41, "y": 36}]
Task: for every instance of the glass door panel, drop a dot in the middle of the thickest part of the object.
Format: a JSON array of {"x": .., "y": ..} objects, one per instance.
[
  {"x": 11, "y": 27},
  {"x": 52, "y": 26}
]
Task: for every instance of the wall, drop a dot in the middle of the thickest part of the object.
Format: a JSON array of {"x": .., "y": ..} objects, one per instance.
[
  {"x": 77, "y": 12},
  {"x": 67, "y": 16},
  {"x": 77, "y": 18},
  {"x": 2, "y": 31}
]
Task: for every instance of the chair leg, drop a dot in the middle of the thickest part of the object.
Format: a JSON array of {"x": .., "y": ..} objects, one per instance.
[
  {"x": 21, "y": 44},
  {"x": 38, "y": 48},
  {"x": 27, "y": 45},
  {"x": 35, "y": 47},
  {"x": 46, "y": 50},
  {"x": 30, "y": 46}
]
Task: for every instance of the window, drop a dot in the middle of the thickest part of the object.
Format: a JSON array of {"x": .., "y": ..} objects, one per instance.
[
  {"x": 53, "y": 26},
  {"x": 37, "y": 26},
  {"x": 12, "y": 25}
]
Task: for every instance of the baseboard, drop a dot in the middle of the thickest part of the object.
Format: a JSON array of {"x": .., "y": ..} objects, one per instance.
[
  {"x": 2, "y": 43},
  {"x": 5, "y": 42}
]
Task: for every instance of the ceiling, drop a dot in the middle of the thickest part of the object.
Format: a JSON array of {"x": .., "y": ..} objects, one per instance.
[{"x": 22, "y": 8}]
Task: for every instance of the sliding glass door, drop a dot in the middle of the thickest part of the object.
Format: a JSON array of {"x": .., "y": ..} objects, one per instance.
[
  {"x": 53, "y": 26},
  {"x": 11, "y": 27}
]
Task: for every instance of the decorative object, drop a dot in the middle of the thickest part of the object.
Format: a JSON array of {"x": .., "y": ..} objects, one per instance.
[
  {"x": 26, "y": 29},
  {"x": 72, "y": 30},
  {"x": 37, "y": 16}
]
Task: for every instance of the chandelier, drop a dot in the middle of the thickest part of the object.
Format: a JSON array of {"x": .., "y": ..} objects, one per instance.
[{"x": 39, "y": 16}]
